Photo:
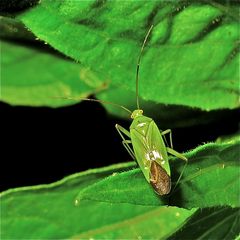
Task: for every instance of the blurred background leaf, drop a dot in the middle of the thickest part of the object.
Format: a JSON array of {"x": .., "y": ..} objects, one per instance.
[
  {"x": 45, "y": 74},
  {"x": 166, "y": 115}
]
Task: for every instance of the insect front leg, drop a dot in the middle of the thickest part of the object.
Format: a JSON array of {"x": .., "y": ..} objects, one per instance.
[
  {"x": 125, "y": 142},
  {"x": 128, "y": 148},
  {"x": 163, "y": 133}
]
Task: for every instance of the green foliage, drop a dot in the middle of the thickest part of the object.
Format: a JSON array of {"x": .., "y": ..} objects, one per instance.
[
  {"x": 189, "y": 67},
  {"x": 44, "y": 86},
  {"x": 211, "y": 223},
  {"x": 119, "y": 208},
  {"x": 217, "y": 164},
  {"x": 45, "y": 75},
  {"x": 191, "y": 58},
  {"x": 48, "y": 211}
]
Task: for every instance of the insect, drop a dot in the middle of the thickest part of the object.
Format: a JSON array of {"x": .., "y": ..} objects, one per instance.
[
  {"x": 145, "y": 142},
  {"x": 148, "y": 146}
]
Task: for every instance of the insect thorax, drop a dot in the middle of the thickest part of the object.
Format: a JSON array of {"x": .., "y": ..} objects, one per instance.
[{"x": 140, "y": 123}]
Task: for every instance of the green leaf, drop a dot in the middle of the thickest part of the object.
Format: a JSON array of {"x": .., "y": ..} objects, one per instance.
[
  {"x": 153, "y": 224},
  {"x": 211, "y": 178},
  {"x": 48, "y": 212},
  {"x": 191, "y": 58},
  {"x": 12, "y": 29},
  {"x": 178, "y": 116},
  {"x": 229, "y": 138},
  {"x": 44, "y": 77},
  {"x": 211, "y": 223}
]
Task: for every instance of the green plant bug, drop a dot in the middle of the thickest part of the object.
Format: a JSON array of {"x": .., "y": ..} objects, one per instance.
[
  {"x": 145, "y": 142},
  {"x": 148, "y": 147}
]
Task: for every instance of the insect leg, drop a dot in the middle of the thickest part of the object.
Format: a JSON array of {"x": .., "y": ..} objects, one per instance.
[
  {"x": 176, "y": 154},
  {"x": 125, "y": 142},
  {"x": 128, "y": 148},
  {"x": 163, "y": 133},
  {"x": 181, "y": 156},
  {"x": 179, "y": 178},
  {"x": 121, "y": 130}
]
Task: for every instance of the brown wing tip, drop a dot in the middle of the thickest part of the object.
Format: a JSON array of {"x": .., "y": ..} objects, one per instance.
[{"x": 159, "y": 179}]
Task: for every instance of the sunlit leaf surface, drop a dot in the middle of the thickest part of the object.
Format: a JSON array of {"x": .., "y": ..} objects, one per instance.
[
  {"x": 191, "y": 57},
  {"x": 211, "y": 178}
]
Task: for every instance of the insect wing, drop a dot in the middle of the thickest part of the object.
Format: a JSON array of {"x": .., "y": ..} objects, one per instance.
[
  {"x": 140, "y": 151},
  {"x": 157, "y": 146},
  {"x": 159, "y": 179},
  {"x": 148, "y": 145}
]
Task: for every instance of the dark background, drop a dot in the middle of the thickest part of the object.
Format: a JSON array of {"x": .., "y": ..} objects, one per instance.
[{"x": 41, "y": 145}]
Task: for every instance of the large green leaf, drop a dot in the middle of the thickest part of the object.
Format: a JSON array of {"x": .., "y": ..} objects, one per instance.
[
  {"x": 48, "y": 212},
  {"x": 191, "y": 58},
  {"x": 210, "y": 179}
]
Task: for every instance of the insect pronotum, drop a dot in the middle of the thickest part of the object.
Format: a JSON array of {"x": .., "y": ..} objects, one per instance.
[{"x": 145, "y": 142}]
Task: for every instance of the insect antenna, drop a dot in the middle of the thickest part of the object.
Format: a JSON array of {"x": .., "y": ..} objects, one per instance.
[
  {"x": 138, "y": 63},
  {"x": 96, "y": 100}
]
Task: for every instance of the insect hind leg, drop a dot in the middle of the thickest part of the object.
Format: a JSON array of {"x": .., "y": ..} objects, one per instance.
[
  {"x": 176, "y": 154},
  {"x": 179, "y": 178},
  {"x": 182, "y": 157}
]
